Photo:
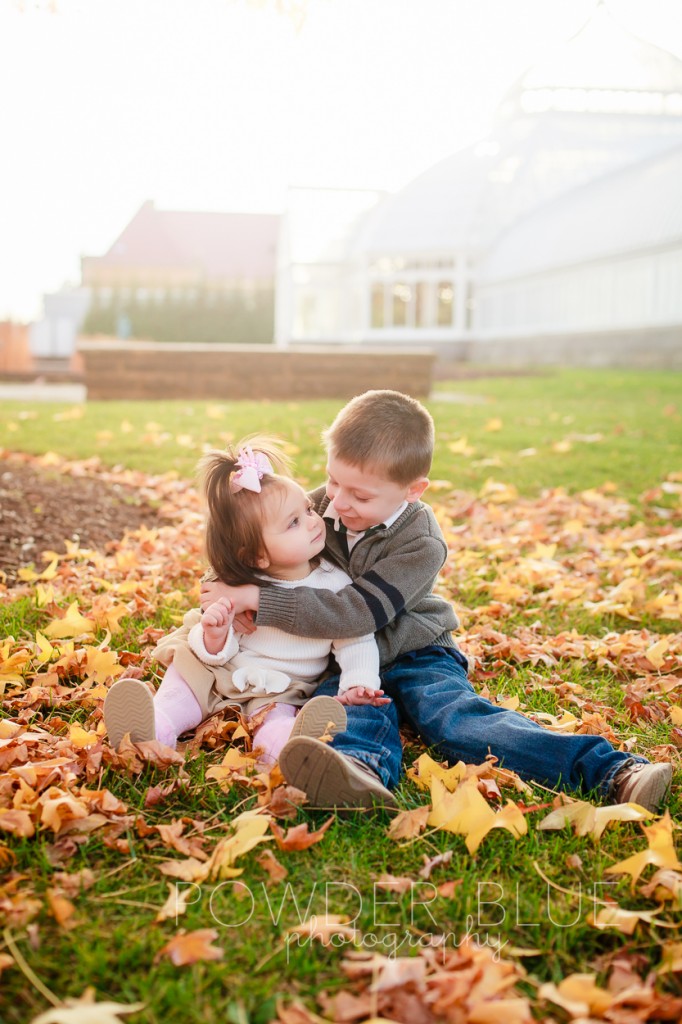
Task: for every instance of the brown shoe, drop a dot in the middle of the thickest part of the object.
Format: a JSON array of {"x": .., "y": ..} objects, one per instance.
[
  {"x": 129, "y": 708},
  {"x": 643, "y": 784},
  {"x": 331, "y": 779},
  {"x": 321, "y": 716}
]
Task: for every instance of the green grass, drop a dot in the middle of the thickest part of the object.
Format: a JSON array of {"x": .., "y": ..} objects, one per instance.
[
  {"x": 116, "y": 941},
  {"x": 638, "y": 415}
]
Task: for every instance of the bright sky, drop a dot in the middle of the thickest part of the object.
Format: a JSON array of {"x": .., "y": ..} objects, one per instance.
[{"x": 221, "y": 104}]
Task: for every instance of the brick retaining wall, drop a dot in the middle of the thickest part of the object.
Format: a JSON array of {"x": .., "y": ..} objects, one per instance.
[{"x": 146, "y": 369}]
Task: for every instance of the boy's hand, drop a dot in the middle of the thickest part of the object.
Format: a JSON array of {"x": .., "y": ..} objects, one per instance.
[
  {"x": 215, "y": 624},
  {"x": 363, "y": 695},
  {"x": 242, "y": 599}
]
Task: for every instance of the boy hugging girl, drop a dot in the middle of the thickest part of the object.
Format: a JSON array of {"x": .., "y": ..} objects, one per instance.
[{"x": 388, "y": 548}]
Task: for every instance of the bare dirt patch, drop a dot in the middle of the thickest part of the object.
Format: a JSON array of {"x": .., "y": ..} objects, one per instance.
[{"x": 40, "y": 509}]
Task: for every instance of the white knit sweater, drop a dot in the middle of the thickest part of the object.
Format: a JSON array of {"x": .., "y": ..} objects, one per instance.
[{"x": 303, "y": 658}]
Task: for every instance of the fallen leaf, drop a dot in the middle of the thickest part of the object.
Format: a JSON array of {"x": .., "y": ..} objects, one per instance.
[
  {"x": 175, "y": 905},
  {"x": 298, "y": 837},
  {"x": 465, "y": 812},
  {"x": 73, "y": 624},
  {"x": 393, "y": 884},
  {"x": 587, "y": 819},
  {"x": 660, "y": 851},
  {"x": 624, "y": 921},
  {"x": 324, "y": 929},
  {"x": 269, "y": 862},
  {"x": 408, "y": 824},
  {"x": 86, "y": 1011},
  {"x": 191, "y": 947}
]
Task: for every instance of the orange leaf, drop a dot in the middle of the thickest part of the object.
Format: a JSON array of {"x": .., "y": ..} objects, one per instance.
[
  {"x": 298, "y": 838},
  {"x": 190, "y": 947}
]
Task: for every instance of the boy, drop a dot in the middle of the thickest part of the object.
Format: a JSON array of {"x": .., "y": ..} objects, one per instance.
[{"x": 379, "y": 451}]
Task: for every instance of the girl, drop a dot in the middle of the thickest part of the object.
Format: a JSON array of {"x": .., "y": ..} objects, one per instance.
[{"x": 261, "y": 528}]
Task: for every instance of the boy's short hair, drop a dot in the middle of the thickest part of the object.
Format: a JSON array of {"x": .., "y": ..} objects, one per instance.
[{"x": 386, "y": 431}]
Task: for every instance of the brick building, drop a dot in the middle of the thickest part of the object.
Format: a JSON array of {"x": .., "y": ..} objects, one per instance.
[{"x": 175, "y": 275}]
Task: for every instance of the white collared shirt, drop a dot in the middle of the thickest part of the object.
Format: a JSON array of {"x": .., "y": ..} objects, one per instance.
[{"x": 351, "y": 536}]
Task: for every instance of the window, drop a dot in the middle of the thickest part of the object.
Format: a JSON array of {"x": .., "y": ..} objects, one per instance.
[
  {"x": 423, "y": 314},
  {"x": 378, "y": 316},
  {"x": 445, "y": 303},
  {"x": 402, "y": 293}
]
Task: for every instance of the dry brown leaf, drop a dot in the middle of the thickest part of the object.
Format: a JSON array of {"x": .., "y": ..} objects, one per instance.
[
  {"x": 393, "y": 884},
  {"x": 276, "y": 871},
  {"x": 191, "y": 947},
  {"x": 285, "y": 801},
  {"x": 172, "y": 836},
  {"x": 408, "y": 824},
  {"x": 298, "y": 837},
  {"x": 19, "y": 822},
  {"x": 61, "y": 908},
  {"x": 430, "y": 863},
  {"x": 324, "y": 929}
]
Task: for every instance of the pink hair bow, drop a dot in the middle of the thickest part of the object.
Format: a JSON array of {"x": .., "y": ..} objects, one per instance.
[{"x": 252, "y": 467}]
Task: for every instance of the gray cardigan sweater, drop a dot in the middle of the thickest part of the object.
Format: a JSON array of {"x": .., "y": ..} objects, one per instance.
[{"x": 393, "y": 570}]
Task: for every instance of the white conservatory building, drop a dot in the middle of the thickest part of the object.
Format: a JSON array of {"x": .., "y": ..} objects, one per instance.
[{"x": 560, "y": 232}]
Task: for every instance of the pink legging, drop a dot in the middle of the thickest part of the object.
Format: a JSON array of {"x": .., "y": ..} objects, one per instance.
[
  {"x": 176, "y": 709},
  {"x": 274, "y": 732}
]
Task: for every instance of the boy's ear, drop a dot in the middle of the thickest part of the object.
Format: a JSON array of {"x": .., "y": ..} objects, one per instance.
[{"x": 417, "y": 488}]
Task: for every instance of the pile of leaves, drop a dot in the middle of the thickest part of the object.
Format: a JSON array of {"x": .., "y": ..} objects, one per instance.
[{"x": 521, "y": 573}]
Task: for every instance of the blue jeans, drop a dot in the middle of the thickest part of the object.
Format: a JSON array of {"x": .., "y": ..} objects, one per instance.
[{"x": 432, "y": 694}]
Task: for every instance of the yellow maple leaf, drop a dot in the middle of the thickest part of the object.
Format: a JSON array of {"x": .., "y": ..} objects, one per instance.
[
  {"x": 587, "y": 819},
  {"x": 46, "y": 648},
  {"x": 251, "y": 829},
  {"x": 234, "y": 763},
  {"x": 108, "y": 615},
  {"x": 44, "y": 595},
  {"x": 101, "y": 665},
  {"x": 11, "y": 664},
  {"x": 675, "y": 712},
  {"x": 465, "y": 812},
  {"x": 425, "y": 768},
  {"x": 79, "y": 737},
  {"x": 660, "y": 851},
  {"x": 30, "y": 575},
  {"x": 493, "y": 425},
  {"x": 73, "y": 624}
]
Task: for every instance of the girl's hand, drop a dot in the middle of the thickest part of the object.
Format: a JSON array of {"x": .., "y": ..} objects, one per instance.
[
  {"x": 363, "y": 695},
  {"x": 215, "y": 623}
]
